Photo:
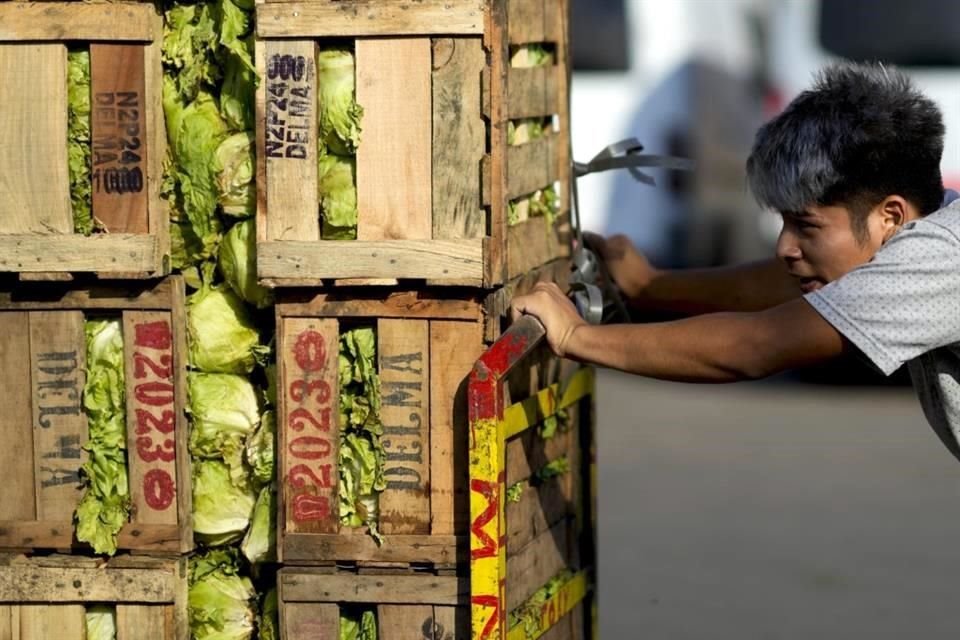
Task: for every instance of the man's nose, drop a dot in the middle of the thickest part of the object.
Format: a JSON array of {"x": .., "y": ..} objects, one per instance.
[{"x": 787, "y": 247}]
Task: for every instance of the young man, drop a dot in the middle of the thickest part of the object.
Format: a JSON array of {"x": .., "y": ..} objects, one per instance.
[{"x": 868, "y": 259}]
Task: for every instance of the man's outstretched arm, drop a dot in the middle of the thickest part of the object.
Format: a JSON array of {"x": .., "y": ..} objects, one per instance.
[
  {"x": 749, "y": 287},
  {"x": 718, "y": 347}
]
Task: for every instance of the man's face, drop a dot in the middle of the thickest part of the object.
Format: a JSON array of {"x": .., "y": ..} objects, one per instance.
[{"x": 818, "y": 244}]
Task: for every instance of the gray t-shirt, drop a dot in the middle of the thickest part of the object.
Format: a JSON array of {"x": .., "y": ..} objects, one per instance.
[{"x": 904, "y": 307}]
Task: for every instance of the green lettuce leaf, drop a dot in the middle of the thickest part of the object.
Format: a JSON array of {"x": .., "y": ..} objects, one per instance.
[
  {"x": 234, "y": 165},
  {"x": 220, "y": 601},
  {"x": 269, "y": 627},
  {"x": 337, "y": 190},
  {"x": 101, "y": 622},
  {"x": 221, "y": 510},
  {"x": 222, "y": 336},
  {"x": 357, "y": 624},
  {"x": 105, "y": 505},
  {"x": 260, "y": 543},
  {"x": 225, "y": 411},
  {"x": 339, "y": 113},
  {"x": 78, "y": 140},
  {"x": 238, "y": 264},
  {"x": 190, "y": 36},
  {"x": 195, "y": 131},
  {"x": 261, "y": 448},
  {"x": 361, "y": 455}
]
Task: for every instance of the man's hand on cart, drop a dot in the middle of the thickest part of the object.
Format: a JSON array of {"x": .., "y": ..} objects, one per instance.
[{"x": 558, "y": 314}]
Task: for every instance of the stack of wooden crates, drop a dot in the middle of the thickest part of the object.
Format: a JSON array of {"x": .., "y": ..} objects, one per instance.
[
  {"x": 433, "y": 269},
  {"x": 47, "y": 580}
]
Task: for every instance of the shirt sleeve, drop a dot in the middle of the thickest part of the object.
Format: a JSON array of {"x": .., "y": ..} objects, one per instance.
[{"x": 901, "y": 304}]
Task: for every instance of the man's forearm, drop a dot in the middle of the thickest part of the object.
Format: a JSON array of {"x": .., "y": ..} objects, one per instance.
[
  {"x": 718, "y": 347},
  {"x": 750, "y": 287}
]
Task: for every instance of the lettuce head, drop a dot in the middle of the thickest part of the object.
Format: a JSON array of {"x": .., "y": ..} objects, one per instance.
[
  {"x": 238, "y": 264},
  {"x": 337, "y": 190},
  {"x": 339, "y": 113},
  {"x": 222, "y": 336},
  {"x": 220, "y": 602},
  {"x": 221, "y": 510}
]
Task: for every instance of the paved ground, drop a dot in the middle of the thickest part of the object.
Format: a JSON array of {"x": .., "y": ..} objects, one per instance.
[{"x": 774, "y": 511}]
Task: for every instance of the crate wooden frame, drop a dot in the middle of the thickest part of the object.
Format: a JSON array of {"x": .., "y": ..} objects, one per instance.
[
  {"x": 456, "y": 150},
  {"x": 448, "y": 330},
  {"x": 517, "y": 547},
  {"x": 40, "y": 242},
  {"x": 408, "y": 604},
  {"x": 44, "y": 597},
  {"x": 37, "y": 512}
]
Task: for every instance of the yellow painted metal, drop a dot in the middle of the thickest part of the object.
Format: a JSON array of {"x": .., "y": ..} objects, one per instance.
[
  {"x": 520, "y": 416},
  {"x": 563, "y": 601},
  {"x": 488, "y": 554}
]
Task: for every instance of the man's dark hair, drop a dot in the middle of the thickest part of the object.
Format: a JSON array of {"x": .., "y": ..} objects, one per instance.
[{"x": 860, "y": 134}]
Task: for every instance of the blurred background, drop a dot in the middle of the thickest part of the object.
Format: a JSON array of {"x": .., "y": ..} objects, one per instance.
[{"x": 819, "y": 504}]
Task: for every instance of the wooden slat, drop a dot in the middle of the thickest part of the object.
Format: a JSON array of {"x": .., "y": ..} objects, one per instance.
[
  {"x": 101, "y": 253},
  {"x": 309, "y": 620},
  {"x": 305, "y": 548},
  {"x": 394, "y": 158},
  {"x": 309, "y": 424},
  {"x": 43, "y": 622},
  {"x": 533, "y": 21},
  {"x": 405, "y": 363},
  {"x": 59, "y": 535},
  {"x": 306, "y": 585},
  {"x": 290, "y": 144},
  {"x": 180, "y": 362},
  {"x": 151, "y": 416},
  {"x": 532, "y": 166},
  {"x": 158, "y": 209},
  {"x": 494, "y": 169},
  {"x": 57, "y": 361},
  {"x": 531, "y": 567},
  {"x": 260, "y": 106},
  {"x": 153, "y": 295},
  {"x": 126, "y": 21},
  {"x": 534, "y": 92},
  {"x": 451, "y": 623},
  {"x": 145, "y": 622},
  {"x": 540, "y": 507},
  {"x": 402, "y": 304},
  {"x": 370, "y": 18},
  {"x": 402, "y": 622},
  {"x": 532, "y": 244},
  {"x": 454, "y": 349},
  {"x": 18, "y": 500},
  {"x": 35, "y": 190},
  {"x": 30, "y": 583},
  {"x": 437, "y": 259},
  {"x": 459, "y": 138},
  {"x": 528, "y": 452},
  {"x": 120, "y": 148},
  {"x": 10, "y": 622}
]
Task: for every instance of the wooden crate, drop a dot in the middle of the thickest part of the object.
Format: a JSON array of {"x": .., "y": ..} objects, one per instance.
[
  {"x": 435, "y": 174},
  {"x": 427, "y": 346},
  {"x": 46, "y": 597},
  {"x": 37, "y": 235},
  {"x": 42, "y": 373},
  {"x": 529, "y": 528},
  {"x": 408, "y": 606}
]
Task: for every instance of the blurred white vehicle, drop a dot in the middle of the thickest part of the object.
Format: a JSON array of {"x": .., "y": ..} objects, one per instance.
[
  {"x": 681, "y": 76},
  {"x": 922, "y": 37}
]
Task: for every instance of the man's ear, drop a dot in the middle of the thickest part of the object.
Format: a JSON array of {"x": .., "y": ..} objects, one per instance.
[{"x": 895, "y": 211}]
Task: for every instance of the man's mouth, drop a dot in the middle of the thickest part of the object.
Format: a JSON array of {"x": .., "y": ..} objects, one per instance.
[{"x": 810, "y": 284}]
